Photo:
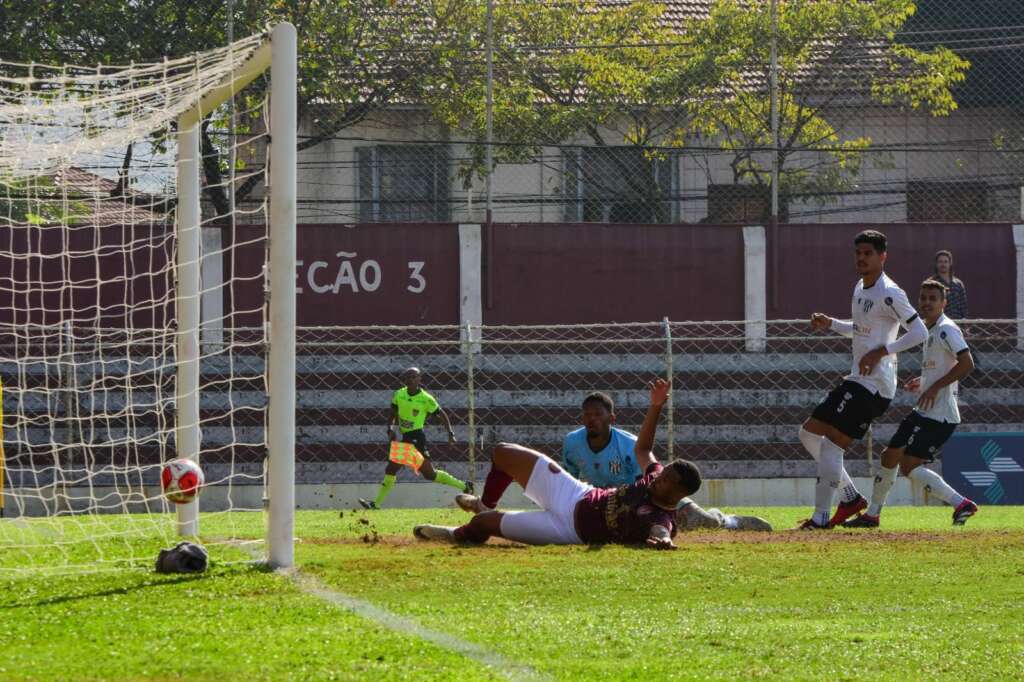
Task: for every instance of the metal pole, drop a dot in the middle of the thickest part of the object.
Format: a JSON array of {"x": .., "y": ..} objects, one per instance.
[
  {"x": 669, "y": 420},
  {"x": 490, "y": 104},
  {"x": 774, "y": 78},
  {"x": 774, "y": 218},
  {"x": 232, "y": 151},
  {"x": 471, "y": 403},
  {"x": 186, "y": 429},
  {"x": 281, "y": 363}
]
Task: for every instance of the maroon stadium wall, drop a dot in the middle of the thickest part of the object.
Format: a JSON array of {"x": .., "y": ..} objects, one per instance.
[
  {"x": 811, "y": 266},
  {"x": 574, "y": 274},
  {"x": 531, "y": 273}
]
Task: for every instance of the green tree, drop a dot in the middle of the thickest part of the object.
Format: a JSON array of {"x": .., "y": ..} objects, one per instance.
[
  {"x": 355, "y": 56},
  {"x": 834, "y": 57},
  {"x": 610, "y": 76}
]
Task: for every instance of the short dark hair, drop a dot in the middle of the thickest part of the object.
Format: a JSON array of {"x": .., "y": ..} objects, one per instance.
[
  {"x": 599, "y": 397},
  {"x": 688, "y": 473},
  {"x": 873, "y": 237},
  {"x": 935, "y": 284}
]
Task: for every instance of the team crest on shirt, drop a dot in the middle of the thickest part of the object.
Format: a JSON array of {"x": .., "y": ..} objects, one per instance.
[
  {"x": 415, "y": 412},
  {"x": 942, "y": 334},
  {"x": 888, "y": 300},
  {"x": 615, "y": 466},
  {"x": 867, "y": 304}
]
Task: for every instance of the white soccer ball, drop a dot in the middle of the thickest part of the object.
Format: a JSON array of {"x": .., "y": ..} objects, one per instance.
[{"x": 181, "y": 480}]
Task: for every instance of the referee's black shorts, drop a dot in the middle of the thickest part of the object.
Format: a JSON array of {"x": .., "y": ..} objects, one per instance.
[{"x": 418, "y": 439}]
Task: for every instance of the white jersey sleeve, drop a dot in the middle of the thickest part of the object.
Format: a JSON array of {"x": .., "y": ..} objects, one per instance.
[
  {"x": 953, "y": 339},
  {"x": 898, "y": 304}
]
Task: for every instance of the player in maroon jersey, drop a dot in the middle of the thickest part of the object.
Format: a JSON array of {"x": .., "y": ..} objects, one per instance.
[{"x": 574, "y": 512}]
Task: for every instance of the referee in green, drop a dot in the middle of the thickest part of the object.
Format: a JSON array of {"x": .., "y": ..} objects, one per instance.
[{"x": 409, "y": 408}]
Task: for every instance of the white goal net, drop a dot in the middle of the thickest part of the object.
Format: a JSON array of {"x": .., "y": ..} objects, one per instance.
[{"x": 137, "y": 289}]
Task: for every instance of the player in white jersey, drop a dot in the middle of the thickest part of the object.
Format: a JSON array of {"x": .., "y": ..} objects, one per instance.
[
  {"x": 947, "y": 360},
  {"x": 879, "y": 309}
]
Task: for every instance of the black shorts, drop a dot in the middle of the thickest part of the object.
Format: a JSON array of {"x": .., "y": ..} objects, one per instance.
[
  {"x": 417, "y": 438},
  {"x": 922, "y": 437},
  {"x": 851, "y": 408}
]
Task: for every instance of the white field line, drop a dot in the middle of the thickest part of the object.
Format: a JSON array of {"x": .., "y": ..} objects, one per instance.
[{"x": 309, "y": 584}]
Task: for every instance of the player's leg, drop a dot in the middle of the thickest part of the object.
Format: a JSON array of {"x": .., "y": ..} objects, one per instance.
[
  {"x": 479, "y": 528},
  {"x": 691, "y": 516},
  {"x": 390, "y": 473},
  {"x": 885, "y": 478},
  {"x": 427, "y": 469},
  {"x": 819, "y": 428},
  {"x": 929, "y": 439},
  {"x": 509, "y": 463}
]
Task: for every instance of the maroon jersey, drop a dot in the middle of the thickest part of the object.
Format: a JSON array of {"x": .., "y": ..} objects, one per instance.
[{"x": 624, "y": 514}]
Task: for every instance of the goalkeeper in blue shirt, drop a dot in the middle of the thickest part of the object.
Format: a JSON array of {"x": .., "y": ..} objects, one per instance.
[{"x": 602, "y": 455}]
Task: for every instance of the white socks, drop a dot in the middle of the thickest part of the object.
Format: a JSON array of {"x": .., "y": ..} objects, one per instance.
[
  {"x": 936, "y": 485},
  {"x": 884, "y": 480},
  {"x": 812, "y": 443},
  {"x": 830, "y": 471}
]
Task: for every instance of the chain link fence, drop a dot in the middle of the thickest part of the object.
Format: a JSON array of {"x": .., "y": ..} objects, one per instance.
[
  {"x": 673, "y": 111},
  {"x": 734, "y": 410}
]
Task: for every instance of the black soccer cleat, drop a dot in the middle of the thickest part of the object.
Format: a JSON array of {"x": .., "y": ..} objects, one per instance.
[
  {"x": 470, "y": 488},
  {"x": 809, "y": 524},
  {"x": 862, "y": 521},
  {"x": 966, "y": 510},
  {"x": 368, "y": 504}
]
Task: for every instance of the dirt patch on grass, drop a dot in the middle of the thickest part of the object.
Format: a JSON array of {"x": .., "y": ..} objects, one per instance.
[{"x": 708, "y": 537}]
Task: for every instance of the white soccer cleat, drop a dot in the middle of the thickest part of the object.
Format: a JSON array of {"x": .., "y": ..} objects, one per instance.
[
  {"x": 471, "y": 504},
  {"x": 435, "y": 533},
  {"x": 755, "y": 523}
]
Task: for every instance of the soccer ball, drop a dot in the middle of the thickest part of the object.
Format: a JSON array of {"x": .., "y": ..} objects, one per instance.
[{"x": 181, "y": 480}]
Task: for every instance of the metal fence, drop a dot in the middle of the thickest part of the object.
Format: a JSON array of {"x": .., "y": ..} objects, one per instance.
[
  {"x": 736, "y": 405},
  {"x": 648, "y": 111}
]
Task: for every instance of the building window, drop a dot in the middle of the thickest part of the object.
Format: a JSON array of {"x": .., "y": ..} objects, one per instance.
[
  {"x": 403, "y": 183},
  {"x": 619, "y": 185},
  {"x": 947, "y": 202},
  {"x": 742, "y": 204}
]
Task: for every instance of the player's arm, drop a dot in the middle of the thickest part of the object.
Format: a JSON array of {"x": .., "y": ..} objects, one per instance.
[
  {"x": 660, "y": 538},
  {"x": 569, "y": 464},
  {"x": 954, "y": 343},
  {"x": 822, "y": 322},
  {"x": 392, "y": 421},
  {"x": 443, "y": 416},
  {"x": 645, "y": 441}
]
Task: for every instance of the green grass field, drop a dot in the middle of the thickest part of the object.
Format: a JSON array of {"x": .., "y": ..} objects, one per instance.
[{"x": 917, "y": 600}]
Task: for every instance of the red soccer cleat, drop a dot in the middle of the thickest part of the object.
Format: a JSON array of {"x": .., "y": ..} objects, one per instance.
[
  {"x": 847, "y": 509},
  {"x": 966, "y": 510},
  {"x": 862, "y": 521}
]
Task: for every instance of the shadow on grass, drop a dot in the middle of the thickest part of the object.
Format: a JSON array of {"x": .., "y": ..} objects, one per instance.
[{"x": 149, "y": 580}]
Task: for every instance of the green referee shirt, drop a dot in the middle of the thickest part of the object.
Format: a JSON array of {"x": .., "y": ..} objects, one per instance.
[{"x": 413, "y": 409}]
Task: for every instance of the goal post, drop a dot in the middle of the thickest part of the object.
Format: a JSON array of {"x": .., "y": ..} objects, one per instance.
[{"x": 102, "y": 260}]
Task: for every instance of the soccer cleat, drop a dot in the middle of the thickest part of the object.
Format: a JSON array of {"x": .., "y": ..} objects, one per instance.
[
  {"x": 809, "y": 524},
  {"x": 862, "y": 521},
  {"x": 368, "y": 504},
  {"x": 966, "y": 510},
  {"x": 752, "y": 523},
  {"x": 846, "y": 510},
  {"x": 470, "y": 488},
  {"x": 435, "y": 533},
  {"x": 471, "y": 504}
]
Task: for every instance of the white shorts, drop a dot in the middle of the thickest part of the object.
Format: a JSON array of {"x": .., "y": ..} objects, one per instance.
[{"x": 557, "y": 492}]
